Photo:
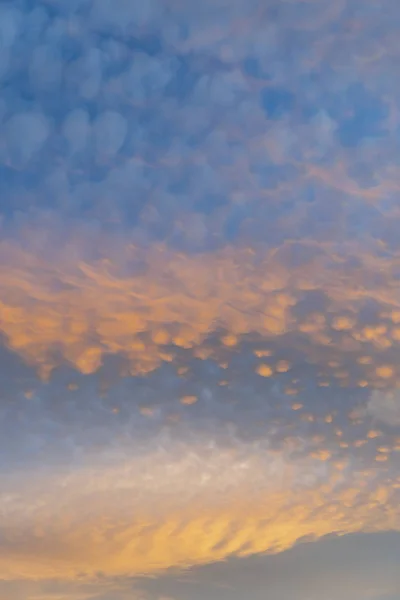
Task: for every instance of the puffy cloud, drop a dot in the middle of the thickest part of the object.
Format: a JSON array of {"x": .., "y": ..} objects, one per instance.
[
  {"x": 109, "y": 132},
  {"x": 76, "y": 129},
  {"x": 11, "y": 21},
  {"x": 46, "y": 69},
  {"x": 26, "y": 133},
  {"x": 342, "y": 302},
  {"x": 216, "y": 86}
]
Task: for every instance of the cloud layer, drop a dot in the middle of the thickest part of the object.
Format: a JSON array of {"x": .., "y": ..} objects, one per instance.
[
  {"x": 96, "y": 295},
  {"x": 236, "y": 120},
  {"x": 199, "y": 257},
  {"x": 175, "y": 470},
  {"x": 109, "y": 518}
]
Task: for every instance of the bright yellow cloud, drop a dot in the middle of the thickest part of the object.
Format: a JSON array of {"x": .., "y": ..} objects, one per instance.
[{"x": 183, "y": 505}]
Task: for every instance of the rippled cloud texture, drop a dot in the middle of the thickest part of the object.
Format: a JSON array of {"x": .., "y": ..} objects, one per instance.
[{"x": 199, "y": 297}]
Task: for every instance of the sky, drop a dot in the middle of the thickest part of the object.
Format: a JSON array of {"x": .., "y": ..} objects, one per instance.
[{"x": 199, "y": 300}]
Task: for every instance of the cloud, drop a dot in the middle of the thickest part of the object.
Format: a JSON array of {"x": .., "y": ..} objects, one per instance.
[
  {"x": 361, "y": 566},
  {"x": 76, "y": 129},
  {"x": 181, "y": 195},
  {"x": 385, "y": 407},
  {"x": 98, "y": 589},
  {"x": 76, "y": 295},
  {"x": 110, "y": 517},
  {"x": 195, "y": 108},
  {"x": 132, "y": 479},
  {"x": 109, "y": 131},
  {"x": 354, "y": 565},
  {"x": 214, "y": 135},
  {"x": 26, "y": 134}
]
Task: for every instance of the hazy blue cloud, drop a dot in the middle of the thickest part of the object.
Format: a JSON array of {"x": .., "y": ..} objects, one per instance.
[{"x": 177, "y": 87}]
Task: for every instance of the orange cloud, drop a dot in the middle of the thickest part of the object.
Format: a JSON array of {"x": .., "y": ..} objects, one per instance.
[
  {"x": 188, "y": 505},
  {"x": 147, "y": 304}
]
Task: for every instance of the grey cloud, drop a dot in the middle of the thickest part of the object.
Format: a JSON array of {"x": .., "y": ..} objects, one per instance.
[
  {"x": 359, "y": 566},
  {"x": 384, "y": 407}
]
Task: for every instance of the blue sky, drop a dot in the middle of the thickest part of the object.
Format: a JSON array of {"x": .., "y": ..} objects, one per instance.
[{"x": 199, "y": 300}]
